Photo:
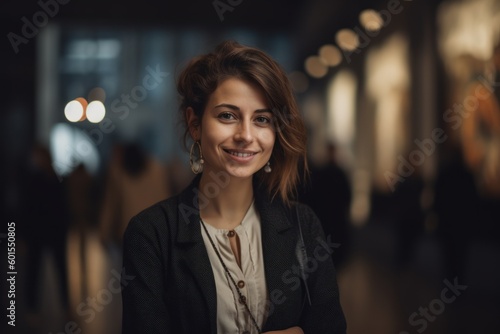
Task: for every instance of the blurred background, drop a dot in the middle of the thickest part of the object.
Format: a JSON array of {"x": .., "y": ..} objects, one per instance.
[{"x": 401, "y": 100}]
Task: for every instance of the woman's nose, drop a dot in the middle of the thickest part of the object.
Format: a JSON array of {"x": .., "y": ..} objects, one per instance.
[{"x": 244, "y": 132}]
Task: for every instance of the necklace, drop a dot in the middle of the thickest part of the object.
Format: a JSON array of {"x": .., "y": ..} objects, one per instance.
[{"x": 242, "y": 298}]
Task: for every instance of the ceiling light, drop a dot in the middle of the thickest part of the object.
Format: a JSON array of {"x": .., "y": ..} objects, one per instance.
[{"x": 347, "y": 39}]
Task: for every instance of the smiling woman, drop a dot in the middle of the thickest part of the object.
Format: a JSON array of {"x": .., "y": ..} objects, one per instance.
[
  {"x": 206, "y": 73},
  {"x": 230, "y": 241}
]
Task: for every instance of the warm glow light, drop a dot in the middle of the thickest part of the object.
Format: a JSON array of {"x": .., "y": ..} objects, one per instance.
[
  {"x": 342, "y": 108},
  {"x": 299, "y": 81},
  {"x": 330, "y": 55},
  {"x": 467, "y": 28},
  {"x": 387, "y": 86},
  {"x": 371, "y": 20},
  {"x": 73, "y": 111},
  {"x": 84, "y": 104},
  {"x": 347, "y": 39},
  {"x": 315, "y": 67},
  {"x": 96, "y": 111}
]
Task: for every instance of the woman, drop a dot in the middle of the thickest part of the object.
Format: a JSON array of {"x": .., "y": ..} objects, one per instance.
[{"x": 232, "y": 253}]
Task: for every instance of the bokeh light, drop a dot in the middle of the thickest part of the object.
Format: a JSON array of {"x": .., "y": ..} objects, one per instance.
[
  {"x": 96, "y": 111},
  {"x": 74, "y": 111},
  {"x": 330, "y": 55},
  {"x": 315, "y": 67},
  {"x": 347, "y": 39},
  {"x": 371, "y": 20}
]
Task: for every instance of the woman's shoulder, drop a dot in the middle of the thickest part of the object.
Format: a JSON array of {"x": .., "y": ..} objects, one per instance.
[
  {"x": 306, "y": 217},
  {"x": 155, "y": 217},
  {"x": 158, "y": 209},
  {"x": 304, "y": 210}
]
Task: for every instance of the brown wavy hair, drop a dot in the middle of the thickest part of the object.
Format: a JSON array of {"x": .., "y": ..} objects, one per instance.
[{"x": 203, "y": 74}]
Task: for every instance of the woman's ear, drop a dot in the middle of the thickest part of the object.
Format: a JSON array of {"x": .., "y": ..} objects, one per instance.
[{"x": 193, "y": 123}]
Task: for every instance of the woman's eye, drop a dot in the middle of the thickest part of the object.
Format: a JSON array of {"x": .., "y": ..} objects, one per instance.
[
  {"x": 226, "y": 116},
  {"x": 263, "y": 120}
]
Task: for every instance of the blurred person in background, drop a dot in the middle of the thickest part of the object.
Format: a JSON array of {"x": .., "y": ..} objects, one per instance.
[
  {"x": 179, "y": 175},
  {"x": 467, "y": 197},
  {"x": 230, "y": 240},
  {"x": 481, "y": 143},
  {"x": 44, "y": 227},
  {"x": 134, "y": 181},
  {"x": 329, "y": 195},
  {"x": 409, "y": 218},
  {"x": 481, "y": 128},
  {"x": 472, "y": 230},
  {"x": 79, "y": 185}
]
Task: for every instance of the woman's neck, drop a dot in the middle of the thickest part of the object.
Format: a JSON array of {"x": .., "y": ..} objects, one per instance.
[{"x": 225, "y": 199}]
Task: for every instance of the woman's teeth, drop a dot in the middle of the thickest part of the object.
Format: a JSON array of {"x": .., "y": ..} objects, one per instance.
[{"x": 239, "y": 154}]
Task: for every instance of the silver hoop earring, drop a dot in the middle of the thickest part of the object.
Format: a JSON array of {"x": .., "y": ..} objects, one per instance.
[
  {"x": 267, "y": 168},
  {"x": 196, "y": 165}
]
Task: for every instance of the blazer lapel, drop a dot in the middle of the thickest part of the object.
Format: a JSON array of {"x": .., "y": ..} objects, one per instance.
[
  {"x": 195, "y": 253},
  {"x": 279, "y": 240}
]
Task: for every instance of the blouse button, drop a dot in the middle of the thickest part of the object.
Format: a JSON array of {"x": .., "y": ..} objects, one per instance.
[
  {"x": 243, "y": 299},
  {"x": 241, "y": 284},
  {"x": 231, "y": 234}
]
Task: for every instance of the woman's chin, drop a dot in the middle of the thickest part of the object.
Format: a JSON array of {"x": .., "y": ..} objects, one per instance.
[{"x": 240, "y": 173}]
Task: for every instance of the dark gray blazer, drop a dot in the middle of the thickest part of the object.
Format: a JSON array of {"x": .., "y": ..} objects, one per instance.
[{"x": 167, "y": 280}]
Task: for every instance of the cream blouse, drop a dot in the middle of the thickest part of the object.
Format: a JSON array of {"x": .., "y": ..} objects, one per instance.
[{"x": 232, "y": 316}]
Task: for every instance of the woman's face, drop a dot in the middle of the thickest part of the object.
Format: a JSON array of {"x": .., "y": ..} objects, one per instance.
[{"x": 236, "y": 133}]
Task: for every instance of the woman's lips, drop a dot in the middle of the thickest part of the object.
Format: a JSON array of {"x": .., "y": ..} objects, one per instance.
[{"x": 240, "y": 156}]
